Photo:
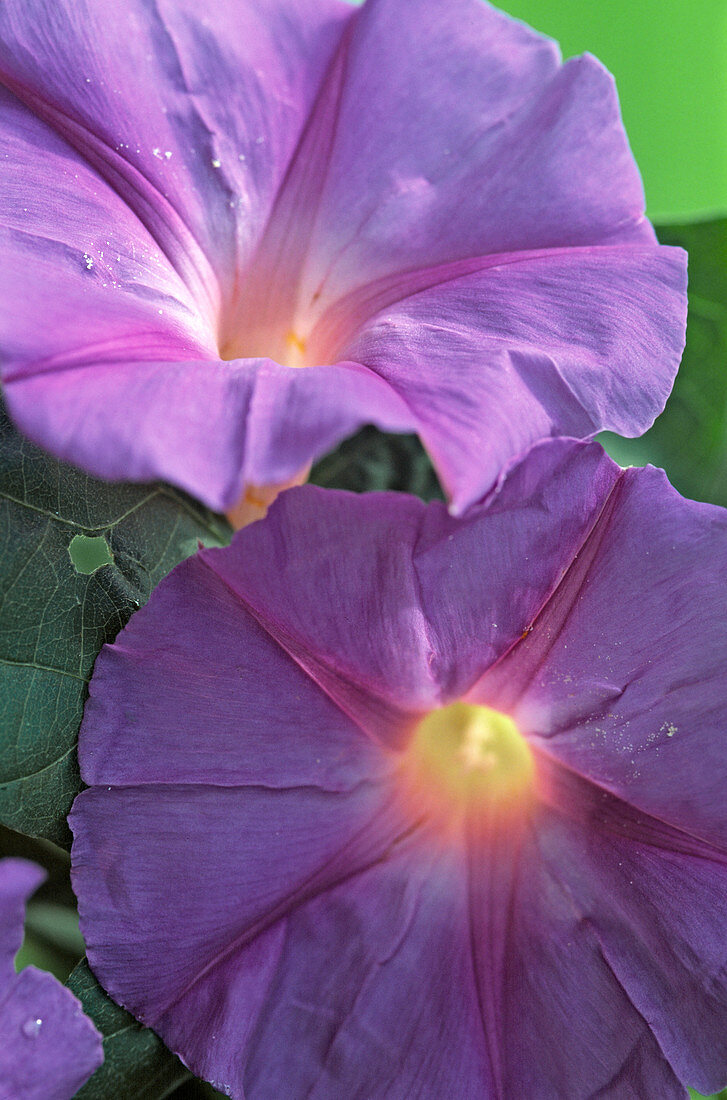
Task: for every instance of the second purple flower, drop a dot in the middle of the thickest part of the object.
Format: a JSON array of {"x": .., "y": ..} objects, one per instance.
[{"x": 390, "y": 805}]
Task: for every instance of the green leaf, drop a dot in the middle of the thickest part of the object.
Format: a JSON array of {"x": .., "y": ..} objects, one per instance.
[
  {"x": 137, "y": 1065},
  {"x": 78, "y": 557},
  {"x": 689, "y": 440},
  {"x": 52, "y": 939},
  {"x": 371, "y": 461}
]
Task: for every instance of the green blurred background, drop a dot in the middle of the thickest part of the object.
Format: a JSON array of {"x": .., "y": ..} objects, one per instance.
[{"x": 669, "y": 58}]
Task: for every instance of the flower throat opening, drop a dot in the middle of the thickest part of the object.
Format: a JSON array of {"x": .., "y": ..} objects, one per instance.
[{"x": 288, "y": 348}]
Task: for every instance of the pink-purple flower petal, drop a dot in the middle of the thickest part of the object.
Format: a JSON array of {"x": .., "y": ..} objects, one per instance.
[
  {"x": 559, "y": 1022},
  {"x": 82, "y": 279},
  {"x": 214, "y": 673},
  {"x": 352, "y": 988},
  {"x": 190, "y": 116},
  {"x": 214, "y": 954},
  {"x": 646, "y": 719},
  {"x": 295, "y": 414},
  {"x": 526, "y": 347},
  {"x": 311, "y": 587},
  {"x": 652, "y": 897},
  {"x": 386, "y": 627},
  {"x": 48, "y": 1048},
  {"x": 474, "y": 140},
  {"x": 209, "y": 202}
]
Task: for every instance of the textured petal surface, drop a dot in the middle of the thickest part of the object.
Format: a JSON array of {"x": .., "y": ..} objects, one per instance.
[
  {"x": 157, "y": 401},
  {"x": 261, "y": 424},
  {"x": 352, "y": 979},
  {"x": 299, "y": 414},
  {"x": 386, "y": 623},
  {"x": 198, "y": 161},
  {"x": 510, "y": 555},
  {"x": 556, "y": 1015},
  {"x": 260, "y": 857},
  {"x": 630, "y": 691},
  {"x": 342, "y": 599},
  {"x": 48, "y": 1048},
  {"x": 650, "y": 901},
  {"x": 81, "y": 275},
  {"x": 529, "y": 346},
  {"x": 196, "y": 659},
  {"x": 473, "y": 141}
]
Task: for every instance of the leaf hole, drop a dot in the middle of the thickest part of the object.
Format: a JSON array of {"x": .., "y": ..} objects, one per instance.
[{"x": 89, "y": 554}]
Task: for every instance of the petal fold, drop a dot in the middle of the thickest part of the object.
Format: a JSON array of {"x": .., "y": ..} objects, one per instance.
[
  {"x": 163, "y": 673},
  {"x": 561, "y": 1021},
  {"x": 566, "y": 342}
]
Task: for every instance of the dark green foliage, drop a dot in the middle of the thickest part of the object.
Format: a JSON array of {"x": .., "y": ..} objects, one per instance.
[
  {"x": 78, "y": 557},
  {"x": 137, "y": 1065},
  {"x": 371, "y": 461}
]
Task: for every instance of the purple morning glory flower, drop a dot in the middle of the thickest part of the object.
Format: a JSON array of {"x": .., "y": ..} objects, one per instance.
[
  {"x": 414, "y": 201},
  {"x": 48, "y": 1048},
  {"x": 385, "y": 803}
]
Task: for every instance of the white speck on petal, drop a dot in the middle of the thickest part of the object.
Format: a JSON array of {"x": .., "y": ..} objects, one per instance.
[{"x": 31, "y": 1028}]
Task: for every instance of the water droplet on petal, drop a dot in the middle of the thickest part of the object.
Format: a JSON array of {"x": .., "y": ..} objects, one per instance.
[
  {"x": 216, "y": 163},
  {"x": 31, "y": 1028}
]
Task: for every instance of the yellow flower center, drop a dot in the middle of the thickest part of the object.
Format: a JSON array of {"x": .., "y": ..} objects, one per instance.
[
  {"x": 471, "y": 757},
  {"x": 295, "y": 350}
]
